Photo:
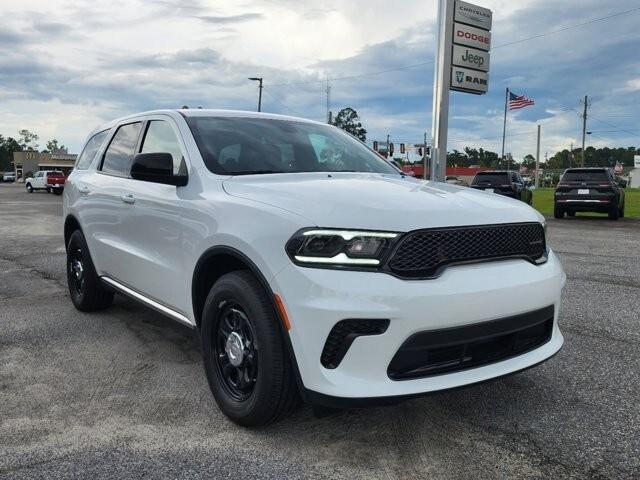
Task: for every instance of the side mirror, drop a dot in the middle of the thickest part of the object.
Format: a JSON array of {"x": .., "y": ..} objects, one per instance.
[{"x": 156, "y": 168}]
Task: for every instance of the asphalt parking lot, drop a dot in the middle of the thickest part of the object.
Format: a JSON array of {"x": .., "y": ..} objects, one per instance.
[{"x": 123, "y": 394}]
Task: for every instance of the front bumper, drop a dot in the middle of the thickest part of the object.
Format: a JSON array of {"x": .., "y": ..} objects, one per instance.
[{"x": 316, "y": 299}]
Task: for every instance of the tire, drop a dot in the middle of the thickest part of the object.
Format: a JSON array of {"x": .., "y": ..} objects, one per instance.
[
  {"x": 622, "y": 211},
  {"x": 558, "y": 212},
  {"x": 87, "y": 291},
  {"x": 29, "y": 188},
  {"x": 238, "y": 306},
  {"x": 48, "y": 189},
  {"x": 571, "y": 213},
  {"x": 614, "y": 213},
  {"x": 57, "y": 191}
]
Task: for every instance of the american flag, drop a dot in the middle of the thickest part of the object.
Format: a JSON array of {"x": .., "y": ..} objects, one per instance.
[{"x": 519, "y": 101}]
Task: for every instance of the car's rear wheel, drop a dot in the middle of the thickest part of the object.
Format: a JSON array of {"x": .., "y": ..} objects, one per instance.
[
  {"x": 87, "y": 291},
  {"x": 571, "y": 213},
  {"x": 29, "y": 188},
  {"x": 57, "y": 191},
  {"x": 622, "y": 211},
  {"x": 245, "y": 357},
  {"x": 558, "y": 212},
  {"x": 48, "y": 189}
]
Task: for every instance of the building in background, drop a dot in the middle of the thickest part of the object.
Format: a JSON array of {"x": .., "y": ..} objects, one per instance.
[{"x": 31, "y": 162}]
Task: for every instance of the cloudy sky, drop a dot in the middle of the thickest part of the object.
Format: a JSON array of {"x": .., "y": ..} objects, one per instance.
[{"x": 67, "y": 66}]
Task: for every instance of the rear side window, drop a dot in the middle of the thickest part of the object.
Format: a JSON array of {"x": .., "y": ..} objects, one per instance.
[
  {"x": 117, "y": 158},
  {"x": 160, "y": 138},
  {"x": 90, "y": 150},
  {"x": 585, "y": 176},
  {"x": 491, "y": 178}
]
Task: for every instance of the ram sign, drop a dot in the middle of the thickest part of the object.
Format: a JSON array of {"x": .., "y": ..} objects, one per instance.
[{"x": 468, "y": 80}]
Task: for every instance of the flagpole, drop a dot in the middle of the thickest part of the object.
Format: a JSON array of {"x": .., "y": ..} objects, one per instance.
[{"x": 504, "y": 123}]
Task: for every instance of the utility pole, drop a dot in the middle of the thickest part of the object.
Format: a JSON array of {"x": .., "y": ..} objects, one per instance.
[
  {"x": 441, "y": 85},
  {"x": 584, "y": 125},
  {"x": 328, "y": 90},
  {"x": 537, "y": 179},
  {"x": 259, "y": 80},
  {"x": 571, "y": 155},
  {"x": 388, "y": 153}
]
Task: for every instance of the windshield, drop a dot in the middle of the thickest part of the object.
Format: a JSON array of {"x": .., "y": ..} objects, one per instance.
[
  {"x": 242, "y": 146},
  {"x": 491, "y": 178},
  {"x": 585, "y": 176}
]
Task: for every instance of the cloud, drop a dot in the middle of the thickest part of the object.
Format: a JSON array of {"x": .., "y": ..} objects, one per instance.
[
  {"x": 244, "y": 17},
  {"x": 64, "y": 60}
]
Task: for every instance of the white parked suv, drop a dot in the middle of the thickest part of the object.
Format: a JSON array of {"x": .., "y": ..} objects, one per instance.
[{"x": 311, "y": 267}]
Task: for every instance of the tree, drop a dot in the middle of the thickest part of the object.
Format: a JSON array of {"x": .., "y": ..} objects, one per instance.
[
  {"x": 53, "y": 147},
  {"x": 348, "y": 120},
  {"x": 28, "y": 140},
  {"x": 8, "y": 145},
  {"x": 529, "y": 161}
]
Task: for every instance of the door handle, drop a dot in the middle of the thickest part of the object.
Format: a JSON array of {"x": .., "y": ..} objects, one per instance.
[
  {"x": 130, "y": 199},
  {"x": 84, "y": 190}
]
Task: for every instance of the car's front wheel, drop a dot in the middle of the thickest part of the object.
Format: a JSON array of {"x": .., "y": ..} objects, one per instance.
[
  {"x": 29, "y": 188},
  {"x": 245, "y": 357},
  {"x": 614, "y": 213},
  {"x": 87, "y": 292}
]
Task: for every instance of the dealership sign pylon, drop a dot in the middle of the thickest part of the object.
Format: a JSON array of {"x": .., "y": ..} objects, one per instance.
[{"x": 462, "y": 64}]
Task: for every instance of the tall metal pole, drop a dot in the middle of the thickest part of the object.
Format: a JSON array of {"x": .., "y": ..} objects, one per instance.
[
  {"x": 504, "y": 123},
  {"x": 424, "y": 156},
  {"x": 441, "y": 84},
  {"x": 328, "y": 100},
  {"x": 584, "y": 125},
  {"x": 537, "y": 178},
  {"x": 259, "y": 80}
]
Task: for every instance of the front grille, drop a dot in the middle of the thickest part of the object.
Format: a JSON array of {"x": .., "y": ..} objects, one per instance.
[
  {"x": 423, "y": 253},
  {"x": 450, "y": 350},
  {"x": 344, "y": 333}
]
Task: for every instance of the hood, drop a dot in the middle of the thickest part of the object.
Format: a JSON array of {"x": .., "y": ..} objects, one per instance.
[{"x": 378, "y": 202}]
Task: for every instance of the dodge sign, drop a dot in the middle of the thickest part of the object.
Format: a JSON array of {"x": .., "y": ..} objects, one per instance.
[
  {"x": 471, "y": 36},
  {"x": 470, "y": 57}
]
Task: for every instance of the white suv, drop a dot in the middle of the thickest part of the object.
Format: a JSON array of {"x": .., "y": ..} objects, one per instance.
[{"x": 311, "y": 267}]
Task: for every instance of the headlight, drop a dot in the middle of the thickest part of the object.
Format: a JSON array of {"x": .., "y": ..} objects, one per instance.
[{"x": 339, "y": 247}]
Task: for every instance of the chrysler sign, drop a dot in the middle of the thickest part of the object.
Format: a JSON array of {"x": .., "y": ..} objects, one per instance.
[
  {"x": 473, "y": 15},
  {"x": 471, "y": 36},
  {"x": 470, "y": 57}
]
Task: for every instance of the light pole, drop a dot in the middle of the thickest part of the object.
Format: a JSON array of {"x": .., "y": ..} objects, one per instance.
[{"x": 258, "y": 79}]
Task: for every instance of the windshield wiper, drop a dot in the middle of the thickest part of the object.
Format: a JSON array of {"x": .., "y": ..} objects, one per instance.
[{"x": 255, "y": 172}]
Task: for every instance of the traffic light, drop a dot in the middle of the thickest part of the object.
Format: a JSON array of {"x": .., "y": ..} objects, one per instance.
[
  {"x": 375, "y": 145},
  {"x": 391, "y": 149},
  {"x": 427, "y": 150},
  {"x": 402, "y": 148},
  {"x": 420, "y": 151}
]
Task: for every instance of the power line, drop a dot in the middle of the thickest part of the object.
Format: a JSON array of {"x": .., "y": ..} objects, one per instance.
[
  {"x": 415, "y": 65},
  {"x": 279, "y": 101}
]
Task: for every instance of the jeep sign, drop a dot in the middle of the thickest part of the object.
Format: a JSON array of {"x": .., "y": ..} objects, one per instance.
[
  {"x": 470, "y": 57},
  {"x": 468, "y": 80},
  {"x": 471, "y": 36},
  {"x": 473, "y": 15}
]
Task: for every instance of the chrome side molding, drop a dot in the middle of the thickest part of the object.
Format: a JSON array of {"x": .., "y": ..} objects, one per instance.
[{"x": 147, "y": 301}]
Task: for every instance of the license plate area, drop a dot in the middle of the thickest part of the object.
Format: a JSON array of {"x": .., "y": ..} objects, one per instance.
[
  {"x": 489, "y": 190},
  {"x": 583, "y": 191}
]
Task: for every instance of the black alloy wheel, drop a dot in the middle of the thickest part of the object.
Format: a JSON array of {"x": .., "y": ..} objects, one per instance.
[
  {"x": 236, "y": 351},
  {"x": 75, "y": 271}
]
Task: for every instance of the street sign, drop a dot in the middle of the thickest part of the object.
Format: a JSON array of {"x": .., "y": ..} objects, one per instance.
[
  {"x": 468, "y": 80},
  {"x": 471, "y": 36},
  {"x": 636, "y": 161},
  {"x": 473, "y": 15},
  {"x": 470, "y": 57}
]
